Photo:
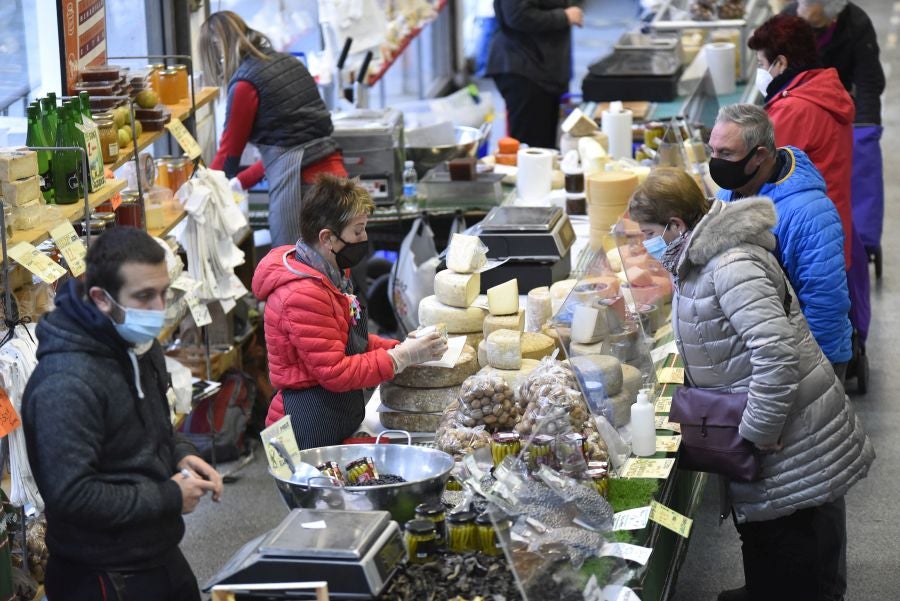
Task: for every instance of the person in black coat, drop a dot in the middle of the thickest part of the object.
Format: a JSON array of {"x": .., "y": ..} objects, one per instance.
[
  {"x": 530, "y": 61},
  {"x": 846, "y": 40}
]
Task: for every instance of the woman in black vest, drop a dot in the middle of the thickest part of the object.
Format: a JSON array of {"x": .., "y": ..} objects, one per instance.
[{"x": 273, "y": 102}]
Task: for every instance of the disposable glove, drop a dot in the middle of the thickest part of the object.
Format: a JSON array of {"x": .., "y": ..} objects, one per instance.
[{"x": 413, "y": 351}]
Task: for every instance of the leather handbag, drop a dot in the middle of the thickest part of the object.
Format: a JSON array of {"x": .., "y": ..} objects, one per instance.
[{"x": 710, "y": 441}]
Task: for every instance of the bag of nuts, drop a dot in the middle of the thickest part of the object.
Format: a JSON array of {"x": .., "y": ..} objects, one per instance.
[
  {"x": 456, "y": 439},
  {"x": 486, "y": 399},
  {"x": 547, "y": 394}
]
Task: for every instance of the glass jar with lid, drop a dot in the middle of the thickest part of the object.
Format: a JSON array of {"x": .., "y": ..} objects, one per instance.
[
  {"x": 109, "y": 137},
  {"x": 130, "y": 211},
  {"x": 169, "y": 91},
  {"x": 421, "y": 541},
  {"x": 461, "y": 532},
  {"x": 488, "y": 543},
  {"x": 181, "y": 77},
  {"x": 435, "y": 512},
  {"x": 153, "y": 72}
]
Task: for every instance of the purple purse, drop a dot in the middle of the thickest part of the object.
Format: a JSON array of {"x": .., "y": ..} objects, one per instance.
[{"x": 710, "y": 441}]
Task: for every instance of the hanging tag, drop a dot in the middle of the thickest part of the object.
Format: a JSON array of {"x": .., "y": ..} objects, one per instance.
[
  {"x": 671, "y": 519},
  {"x": 71, "y": 247},
  {"x": 664, "y": 404},
  {"x": 631, "y": 519},
  {"x": 26, "y": 255},
  {"x": 199, "y": 311},
  {"x": 184, "y": 282},
  {"x": 184, "y": 138},
  {"x": 627, "y": 551},
  {"x": 668, "y": 444},
  {"x": 9, "y": 419}
]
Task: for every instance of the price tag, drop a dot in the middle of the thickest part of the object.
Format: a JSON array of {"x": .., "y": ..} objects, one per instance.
[
  {"x": 662, "y": 332},
  {"x": 283, "y": 433},
  {"x": 71, "y": 247},
  {"x": 660, "y": 353},
  {"x": 670, "y": 375},
  {"x": 36, "y": 262},
  {"x": 184, "y": 138},
  {"x": 668, "y": 518},
  {"x": 9, "y": 419},
  {"x": 646, "y": 467},
  {"x": 184, "y": 282},
  {"x": 199, "y": 311},
  {"x": 633, "y": 553},
  {"x": 664, "y": 404},
  {"x": 227, "y": 305},
  {"x": 667, "y": 444},
  {"x": 631, "y": 519},
  {"x": 663, "y": 423}
]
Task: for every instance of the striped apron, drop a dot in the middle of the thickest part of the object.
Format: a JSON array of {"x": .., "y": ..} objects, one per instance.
[
  {"x": 283, "y": 168},
  {"x": 321, "y": 417}
]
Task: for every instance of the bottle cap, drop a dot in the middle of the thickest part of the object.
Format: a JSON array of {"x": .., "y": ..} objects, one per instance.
[{"x": 409, "y": 164}]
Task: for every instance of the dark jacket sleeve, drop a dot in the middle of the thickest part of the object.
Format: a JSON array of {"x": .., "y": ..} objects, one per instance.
[
  {"x": 868, "y": 76},
  {"x": 527, "y": 16},
  {"x": 67, "y": 459}
]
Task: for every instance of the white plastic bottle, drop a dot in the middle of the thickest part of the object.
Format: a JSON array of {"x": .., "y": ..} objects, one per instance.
[
  {"x": 643, "y": 426},
  {"x": 410, "y": 187}
]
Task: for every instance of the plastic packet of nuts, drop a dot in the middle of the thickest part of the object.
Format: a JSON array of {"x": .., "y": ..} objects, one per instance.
[{"x": 487, "y": 400}]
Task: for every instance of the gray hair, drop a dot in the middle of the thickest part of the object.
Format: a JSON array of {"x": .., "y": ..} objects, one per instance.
[{"x": 756, "y": 127}]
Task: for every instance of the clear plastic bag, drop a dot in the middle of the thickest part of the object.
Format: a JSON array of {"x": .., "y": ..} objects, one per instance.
[{"x": 486, "y": 399}]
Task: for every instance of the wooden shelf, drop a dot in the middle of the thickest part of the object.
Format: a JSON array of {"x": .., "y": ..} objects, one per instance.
[
  {"x": 71, "y": 212},
  {"x": 181, "y": 111},
  {"x": 173, "y": 218}
]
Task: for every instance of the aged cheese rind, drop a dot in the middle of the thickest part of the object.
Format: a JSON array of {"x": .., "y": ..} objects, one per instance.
[
  {"x": 504, "y": 349},
  {"x": 17, "y": 164},
  {"x": 411, "y": 422},
  {"x": 606, "y": 367},
  {"x": 417, "y": 400},
  {"x": 536, "y": 345},
  {"x": 513, "y": 377},
  {"x": 428, "y": 376},
  {"x": 458, "y": 321},
  {"x": 492, "y": 323}
]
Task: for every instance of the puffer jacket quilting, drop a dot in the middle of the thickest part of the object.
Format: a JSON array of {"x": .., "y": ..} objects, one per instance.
[{"x": 732, "y": 331}]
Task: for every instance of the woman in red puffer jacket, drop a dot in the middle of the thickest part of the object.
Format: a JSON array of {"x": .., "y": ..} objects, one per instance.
[{"x": 321, "y": 355}]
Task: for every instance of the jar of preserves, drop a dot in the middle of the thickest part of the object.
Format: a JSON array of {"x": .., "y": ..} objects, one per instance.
[
  {"x": 109, "y": 137},
  {"x": 435, "y": 512},
  {"x": 599, "y": 479},
  {"x": 540, "y": 452},
  {"x": 461, "y": 534},
  {"x": 153, "y": 72},
  {"x": 488, "y": 543},
  {"x": 570, "y": 452},
  {"x": 130, "y": 211},
  {"x": 177, "y": 168},
  {"x": 181, "y": 77},
  {"x": 360, "y": 470},
  {"x": 421, "y": 541},
  {"x": 332, "y": 470},
  {"x": 504, "y": 444},
  {"x": 168, "y": 87}
]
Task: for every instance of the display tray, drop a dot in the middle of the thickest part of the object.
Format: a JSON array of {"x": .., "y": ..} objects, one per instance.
[{"x": 521, "y": 219}]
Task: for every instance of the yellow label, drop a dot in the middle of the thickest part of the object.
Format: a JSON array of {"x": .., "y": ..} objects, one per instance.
[
  {"x": 26, "y": 255},
  {"x": 283, "y": 433},
  {"x": 664, "y": 404},
  {"x": 663, "y": 423},
  {"x": 645, "y": 467},
  {"x": 670, "y": 375},
  {"x": 70, "y": 245},
  {"x": 184, "y": 138},
  {"x": 667, "y": 444},
  {"x": 668, "y": 518}
]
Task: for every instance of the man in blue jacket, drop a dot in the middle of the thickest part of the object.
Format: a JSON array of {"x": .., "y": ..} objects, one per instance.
[
  {"x": 745, "y": 162},
  {"x": 114, "y": 476}
]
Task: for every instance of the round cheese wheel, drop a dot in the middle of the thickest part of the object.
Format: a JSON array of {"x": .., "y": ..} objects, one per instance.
[
  {"x": 553, "y": 333},
  {"x": 632, "y": 380},
  {"x": 457, "y": 320},
  {"x": 417, "y": 400},
  {"x": 473, "y": 339},
  {"x": 482, "y": 354},
  {"x": 577, "y": 349},
  {"x": 504, "y": 349},
  {"x": 605, "y": 367},
  {"x": 492, "y": 323},
  {"x": 538, "y": 309},
  {"x": 428, "y": 376},
  {"x": 411, "y": 422},
  {"x": 537, "y": 346},
  {"x": 621, "y": 408},
  {"x": 513, "y": 377}
]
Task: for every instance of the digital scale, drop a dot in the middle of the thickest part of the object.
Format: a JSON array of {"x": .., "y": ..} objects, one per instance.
[
  {"x": 373, "y": 148},
  {"x": 536, "y": 240},
  {"x": 356, "y": 552}
]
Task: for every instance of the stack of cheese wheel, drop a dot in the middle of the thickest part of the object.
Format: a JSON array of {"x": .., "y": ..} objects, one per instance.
[
  {"x": 455, "y": 289},
  {"x": 418, "y": 395},
  {"x": 621, "y": 382},
  {"x": 608, "y": 193}
]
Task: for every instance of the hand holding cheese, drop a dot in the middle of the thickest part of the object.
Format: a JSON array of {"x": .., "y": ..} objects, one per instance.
[{"x": 413, "y": 351}]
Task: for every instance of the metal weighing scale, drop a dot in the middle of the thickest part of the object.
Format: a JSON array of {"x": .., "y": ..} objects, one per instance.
[
  {"x": 373, "y": 147},
  {"x": 535, "y": 239},
  {"x": 356, "y": 552}
]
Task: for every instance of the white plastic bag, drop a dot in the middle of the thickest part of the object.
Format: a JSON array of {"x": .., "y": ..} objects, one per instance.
[
  {"x": 412, "y": 276},
  {"x": 182, "y": 384}
]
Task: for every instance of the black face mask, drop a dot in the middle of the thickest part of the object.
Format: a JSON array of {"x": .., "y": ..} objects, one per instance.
[
  {"x": 351, "y": 254},
  {"x": 730, "y": 174}
]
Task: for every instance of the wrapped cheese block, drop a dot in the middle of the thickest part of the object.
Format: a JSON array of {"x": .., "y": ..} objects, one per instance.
[{"x": 466, "y": 254}]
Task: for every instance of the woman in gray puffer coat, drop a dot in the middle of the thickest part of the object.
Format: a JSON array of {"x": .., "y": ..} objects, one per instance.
[{"x": 734, "y": 335}]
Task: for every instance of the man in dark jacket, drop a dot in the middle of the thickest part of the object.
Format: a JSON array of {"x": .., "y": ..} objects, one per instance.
[
  {"x": 114, "y": 476},
  {"x": 530, "y": 61}
]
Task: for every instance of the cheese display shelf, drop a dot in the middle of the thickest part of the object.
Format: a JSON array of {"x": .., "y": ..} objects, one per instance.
[
  {"x": 180, "y": 111},
  {"x": 71, "y": 212}
]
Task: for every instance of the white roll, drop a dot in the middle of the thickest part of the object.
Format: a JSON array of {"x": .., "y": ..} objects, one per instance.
[
  {"x": 535, "y": 175},
  {"x": 616, "y": 124},
  {"x": 720, "y": 61}
]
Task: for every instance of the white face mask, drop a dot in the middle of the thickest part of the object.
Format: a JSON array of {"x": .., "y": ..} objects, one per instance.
[
  {"x": 763, "y": 79},
  {"x": 141, "y": 325}
]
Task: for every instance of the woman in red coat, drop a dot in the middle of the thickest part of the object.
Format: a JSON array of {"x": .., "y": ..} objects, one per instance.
[
  {"x": 808, "y": 105},
  {"x": 321, "y": 354}
]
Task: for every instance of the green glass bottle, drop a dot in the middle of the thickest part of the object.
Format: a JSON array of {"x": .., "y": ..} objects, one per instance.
[
  {"x": 35, "y": 137},
  {"x": 66, "y": 163},
  {"x": 91, "y": 134},
  {"x": 50, "y": 118}
]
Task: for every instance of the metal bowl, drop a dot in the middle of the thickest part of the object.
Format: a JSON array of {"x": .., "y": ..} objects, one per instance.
[
  {"x": 426, "y": 472},
  {"x": 425, "y": 158}
]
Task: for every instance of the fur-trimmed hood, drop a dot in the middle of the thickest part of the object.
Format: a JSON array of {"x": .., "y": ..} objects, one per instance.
[{"x": 727, "y": 225}]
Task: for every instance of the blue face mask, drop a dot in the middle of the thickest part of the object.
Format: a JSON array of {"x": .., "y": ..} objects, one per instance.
[
  {"x": 656, "y": 245},
  {"x": 140, "y": 325}
]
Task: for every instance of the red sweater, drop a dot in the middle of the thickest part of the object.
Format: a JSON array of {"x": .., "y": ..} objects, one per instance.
[
  {"x": 242, "y": 114},
  {"x": 815, "y": 113},
  {"x": 307, "y": 325}
]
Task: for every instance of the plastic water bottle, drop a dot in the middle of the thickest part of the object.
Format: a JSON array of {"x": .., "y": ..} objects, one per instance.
[
  {"x": 410, "y": 187},
  {"x": 643, "y": 426}
]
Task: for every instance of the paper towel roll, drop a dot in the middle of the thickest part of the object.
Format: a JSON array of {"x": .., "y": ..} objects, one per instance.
[
  {"x": 534, "y": 179},
  {"x": 720, "y": 61},
  {"x": 616, "y": 124}
]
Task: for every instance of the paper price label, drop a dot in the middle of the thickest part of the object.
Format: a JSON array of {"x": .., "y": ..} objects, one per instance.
[
  {"x": 662, "y": 332},
  {"x": 668, "y": 518},
  {"x": 71, "y": 247},
  {"x": 184, "y": 282},
  {"x": 663, "y": 423},
  {"x": 670, "y": 375},
  {"x": 631, "y": 519},
  {"x": 667, "y": 444},
  {"x": 184, "y": 138},
  {"x": 664, "y": 404},
  {"x": 626, "y": 551},
  {"x": 36, "y": 262},
  {"x": 283, "y": 433},
  {"x": 644, "y": 467},
  {"x": 199, "y": 311},
  {"x": 9, "y": 419}
]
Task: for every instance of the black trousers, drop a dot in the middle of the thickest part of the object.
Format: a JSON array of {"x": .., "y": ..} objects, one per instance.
[
  {"x": 793, "y": 558},
  {"x": 532, "y": 111},
  {"x": 172, "y": 581}
]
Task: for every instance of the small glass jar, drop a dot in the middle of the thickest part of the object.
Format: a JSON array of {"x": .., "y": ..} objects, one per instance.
[
  {"x": 504, "y": 444},
  {"x": 436, "y": 513},
  {"x": 461, "y": 533},
  {"x": 129, "y": 211},
  {"x": 178, "y": 172},
  {"x": 109, "y": 138},
  {"x": 184, "y": 88},
  {"x": 169, "y": 91},
  {"x": 453, "y": 484},
  {"x": 421, "y": 541},
  {"x": 488, "y": 543},
  {"x": 360, "y": 471},
  {"x": 599, "y": 479},
  {"x": 540, "y": 452}
]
